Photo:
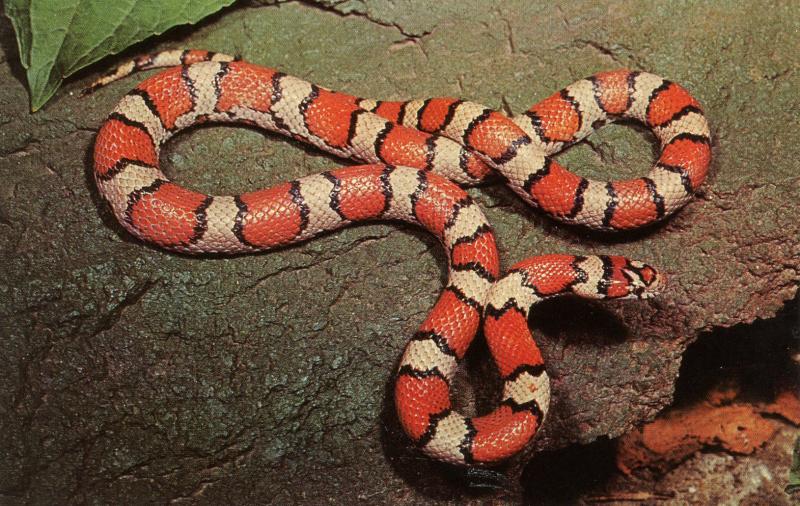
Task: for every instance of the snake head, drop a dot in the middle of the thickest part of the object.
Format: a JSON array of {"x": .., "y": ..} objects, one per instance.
[
  {"x": 623, "y": 278},
  {"x": 643, "y": 281}
]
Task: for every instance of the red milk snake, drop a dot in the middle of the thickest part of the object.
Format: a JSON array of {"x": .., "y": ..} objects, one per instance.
[{"x": 416, "y": 150}]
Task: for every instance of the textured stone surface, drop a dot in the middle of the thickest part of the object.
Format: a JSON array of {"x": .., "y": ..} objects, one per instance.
[
  {"x": 128, "y": 372},
  {"x": 733, "y": 481}
]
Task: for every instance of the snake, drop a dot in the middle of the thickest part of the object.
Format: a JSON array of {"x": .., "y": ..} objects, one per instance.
[{"x": 416, "y": 156}]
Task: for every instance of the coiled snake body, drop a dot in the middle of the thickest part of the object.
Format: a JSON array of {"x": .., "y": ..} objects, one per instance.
[{"x": 416, "y": 150}]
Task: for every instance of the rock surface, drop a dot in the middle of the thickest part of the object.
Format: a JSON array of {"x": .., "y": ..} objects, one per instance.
[{"x": 133, "y": 373}]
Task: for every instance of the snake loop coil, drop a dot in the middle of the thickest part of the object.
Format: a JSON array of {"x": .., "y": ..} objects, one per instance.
[{"x": 415, "y": 152}]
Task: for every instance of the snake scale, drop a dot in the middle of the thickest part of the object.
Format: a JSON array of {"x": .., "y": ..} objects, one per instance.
[{"x": 415, "y": 154}]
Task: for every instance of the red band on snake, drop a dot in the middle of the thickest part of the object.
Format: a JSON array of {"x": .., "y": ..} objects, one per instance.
[{"x": 415, "y": 150}]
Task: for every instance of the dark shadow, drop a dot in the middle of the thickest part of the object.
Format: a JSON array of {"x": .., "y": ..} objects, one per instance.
[
  {"x": 564, "y": 476},
  {"x": 757, "y": 358},
  {"x": 8, "y": 43},
  {"x": 578, "y": 321}
]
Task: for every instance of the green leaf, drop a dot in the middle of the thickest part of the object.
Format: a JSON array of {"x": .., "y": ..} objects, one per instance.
[
  {"x": 56, "y": 38},
  {"x": 794, "y": 472}
]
